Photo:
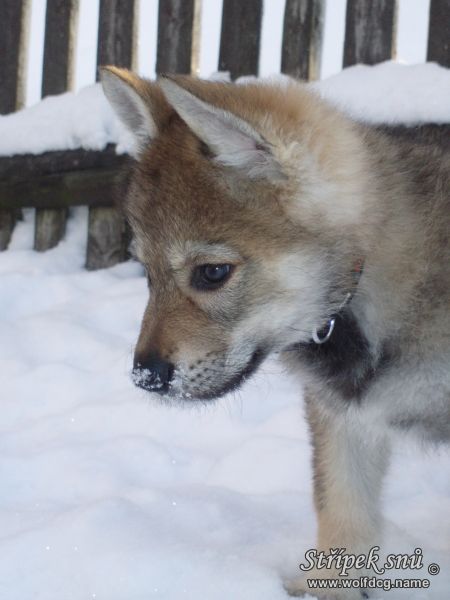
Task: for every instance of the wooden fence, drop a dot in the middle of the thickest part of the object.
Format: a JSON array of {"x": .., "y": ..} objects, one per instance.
[{"x": 54, "y": 181}]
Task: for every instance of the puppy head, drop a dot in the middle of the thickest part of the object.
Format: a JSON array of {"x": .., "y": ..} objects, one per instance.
[{"x": 237, "y": 203}]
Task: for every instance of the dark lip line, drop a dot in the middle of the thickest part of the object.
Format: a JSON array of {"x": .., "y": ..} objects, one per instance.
[{"x": 235, "y": 382}]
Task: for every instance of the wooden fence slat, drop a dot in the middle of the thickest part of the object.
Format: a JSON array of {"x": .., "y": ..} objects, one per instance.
[
  {"x": 108, "y": 238},
  {"x": 61, "y": 19},
  {"x": 116, "y": 33},
  {"x": 439, "y": 32},
  {"x": 196, "y": 32},
  {"x": 8, "y": 219},
  {"x": 240, "y": 37},
  {"x": 14, "y": 17},
  {"x": 7, "y": 223},
  {"x": 176, "y": 24},
  {"x": 302, "y": 38},
  {"x": 57, "y": 77},
  {"x": 370, "y": 31},
  {"x": 107, "y": 242},
  {"x": 49, "y": 227}
]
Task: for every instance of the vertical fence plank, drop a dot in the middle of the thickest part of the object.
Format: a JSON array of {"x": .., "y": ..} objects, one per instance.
[
  {"x": 14, "y": 17},
  {"x": 196, "y": 31},
  {"x": 60, "y": 31},
  {"x": 107, "y": 238},
  {"x": 49, "y": 227},
  {"x": 439, "y": 32},
  {"x": 369, "y": 31},
  {"x": 107, "y": 235},
  {"x": 116, "y": 39},
  {"x": 57, "y": 77},
  {"x": 240, "y": 37},
  {"x": 7, "y": 223},
  {"x": 176, "y": 36},
  {"x": 302, "y": 38}
]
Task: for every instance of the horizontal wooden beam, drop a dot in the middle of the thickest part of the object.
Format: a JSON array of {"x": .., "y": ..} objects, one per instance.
[
  {"x": 61, "y": 179},
  {"x": 430, "y": 134},
  {"x": 23, "y": 166},
  {"x": 91, "y": 187}
]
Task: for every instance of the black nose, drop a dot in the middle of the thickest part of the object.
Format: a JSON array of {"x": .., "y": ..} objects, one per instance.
[{"x": 152, "y": 373}]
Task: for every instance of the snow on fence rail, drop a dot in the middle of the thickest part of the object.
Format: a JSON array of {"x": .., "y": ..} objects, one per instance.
[{"x": 54, "y": 181}]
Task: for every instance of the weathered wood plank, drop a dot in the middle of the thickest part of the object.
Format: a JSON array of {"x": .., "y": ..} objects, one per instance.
[
  {"x": 62, "y": 179},
  {"x": 49, "y": 227},
  {"x": 14, "y": 21},
  {"x": 57, "y": 77},
  {"x": 196, "y": 32},
  {"x": 24, "y": 166},
  {"x": 107, "y": 244},
  {"x": 240, "y": 37},
  {"x": 58, "y": 180},
  {"x": 302, "y": 38},
  {"x": 429, "y": 134},
  {"x": 59, "y": 44},
  {"x": 14, "y": 17},
  {"x": 439, "y": 32},
  {"x": 370, "y": 31},
  {"x": 107, "y": 238},
  {"x": 175, "y": 36},
  {"x": 92, "y": 187},
  {"x": 116, "y": 33},
  {"x": 7, "y": 224}
]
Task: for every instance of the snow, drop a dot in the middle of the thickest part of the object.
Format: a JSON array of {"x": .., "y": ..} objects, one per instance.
[
  {"x": 391, "y": 93},
  {"x": 109, "y": 494},
  {"x": 386, "y": 93},
  {"x": 68, "y": 121}
]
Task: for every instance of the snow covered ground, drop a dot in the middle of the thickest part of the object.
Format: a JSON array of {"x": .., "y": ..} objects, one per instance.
[{"x": 106, "y": 494}]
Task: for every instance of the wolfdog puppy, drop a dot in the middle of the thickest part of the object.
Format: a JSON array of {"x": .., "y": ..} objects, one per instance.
[{"x": 270, "y": 223}]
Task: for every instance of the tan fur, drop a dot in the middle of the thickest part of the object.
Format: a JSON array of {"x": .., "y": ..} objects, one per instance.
[{"x": 276, "y": 183}]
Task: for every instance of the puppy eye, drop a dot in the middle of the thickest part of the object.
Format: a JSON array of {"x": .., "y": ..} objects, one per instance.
[{"x": 210, "y": 277}]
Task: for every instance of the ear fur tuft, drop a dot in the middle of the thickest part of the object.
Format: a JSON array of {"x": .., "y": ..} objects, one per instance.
[
  {"x": 123, "y": 89},
  {"x": 233, "y": 141}
]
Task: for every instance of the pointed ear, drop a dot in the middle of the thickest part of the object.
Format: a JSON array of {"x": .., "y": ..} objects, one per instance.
[
  {"x": 232, "y": 141},
  {"x": 138, "y": 103}
]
